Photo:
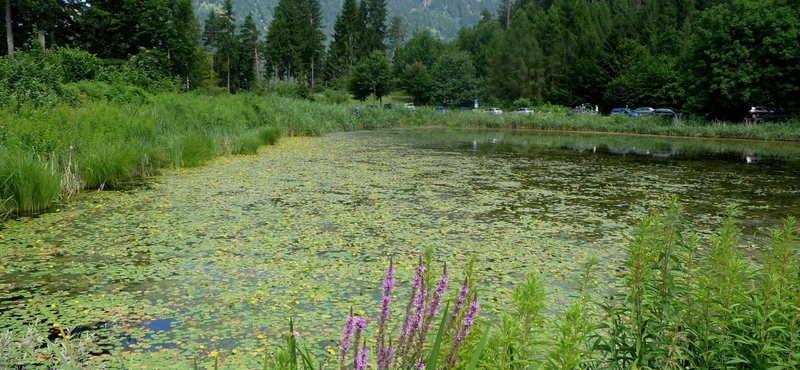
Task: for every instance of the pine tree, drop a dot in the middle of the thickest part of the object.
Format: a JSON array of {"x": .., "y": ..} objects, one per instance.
[
  {"x": 228, "y": 43},
  {"x": 396, "y": 35},
  {"x": 375, "y": 23},
  {"x": 249, "y": 66},
  {"x": 342, "y": 53},
  {"x": 312, "y": 38},
  {"x": 184, "y": 45}
]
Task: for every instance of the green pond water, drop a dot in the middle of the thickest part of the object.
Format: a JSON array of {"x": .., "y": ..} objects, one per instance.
[{"x": 218, "y": 258}]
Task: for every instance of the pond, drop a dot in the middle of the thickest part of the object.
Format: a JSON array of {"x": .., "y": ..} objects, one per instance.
[{"x": 218, "y": 258}]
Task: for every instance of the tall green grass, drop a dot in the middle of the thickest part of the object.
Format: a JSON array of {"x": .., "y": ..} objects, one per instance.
[{"x": 28, "y": 184}]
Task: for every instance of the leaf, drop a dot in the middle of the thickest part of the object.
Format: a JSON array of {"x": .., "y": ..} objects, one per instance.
[
  {"x": 477, "y": 355},
  {"x": 433, "y": 360}
]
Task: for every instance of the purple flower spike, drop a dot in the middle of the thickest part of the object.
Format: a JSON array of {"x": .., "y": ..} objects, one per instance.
[
  {"x": 462, "y": 296},
  {"x": 405, "y": 329},
  {"x": 360, "y": 324},
  {"x": 361, "y": 358},
  {"x": 348, "y": 331},
  {"x": 430, "y": 313},
  {"x": 463, "y": 331},
  {"x": 386, "y": 311}
]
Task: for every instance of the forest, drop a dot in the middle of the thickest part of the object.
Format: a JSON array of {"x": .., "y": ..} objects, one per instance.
[{"x": 700, "y": 55}]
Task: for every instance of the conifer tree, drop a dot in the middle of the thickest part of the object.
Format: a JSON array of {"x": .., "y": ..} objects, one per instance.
[
  {"x": 249, "y": 63},
  {"x": 396, "y": 35},
  {"x": 342, "y": 53}
]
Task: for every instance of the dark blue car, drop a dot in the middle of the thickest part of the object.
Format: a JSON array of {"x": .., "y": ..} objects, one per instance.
[{"x": 624, "y": 112}]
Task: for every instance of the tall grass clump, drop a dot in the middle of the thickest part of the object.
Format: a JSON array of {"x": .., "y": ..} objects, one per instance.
[
  {"x": 192, "y": 149},
  {"x": 111, "y": 166},
  {"x": 27, "y": 183},
  {"x": 269, "y": 135},
  {"x": 247, "y": 143}
]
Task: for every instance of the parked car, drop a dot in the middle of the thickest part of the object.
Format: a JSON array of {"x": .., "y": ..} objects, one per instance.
[
  {"x": 464, "y": 109},
  {"x": 669, "y": 112},
  {"x": 409, "y": 106},
  {"x": 494, "y": 111},
  {"x": 522, "y": 111},
  {"x": 644, "y": 110},
  {"x": 440, "y": 110},
  {"x": 756, "y": 114},
  {"x": 371, "y": 106},
  {"x": 391, "y": 105},
  {"x": 779, "y": 116},
  {"x": 624, "y": 112}
]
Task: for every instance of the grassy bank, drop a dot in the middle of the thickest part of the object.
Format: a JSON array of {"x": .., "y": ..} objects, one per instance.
[
  {"x": 103, "y": 144},
  {"x": 53, "y": 153}
]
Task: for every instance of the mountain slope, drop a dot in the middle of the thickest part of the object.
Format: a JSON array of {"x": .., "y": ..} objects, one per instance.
[{"x": 444, "y": 17}]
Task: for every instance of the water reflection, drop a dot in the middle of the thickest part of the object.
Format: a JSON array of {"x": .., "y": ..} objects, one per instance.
[{"x": 744, "y": 151}]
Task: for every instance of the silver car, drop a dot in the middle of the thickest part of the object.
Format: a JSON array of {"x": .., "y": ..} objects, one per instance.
[
  {"x": 494, "y": 111},
  {"x": 522, "y": 111},
  {"x": 644, "y": 110}
]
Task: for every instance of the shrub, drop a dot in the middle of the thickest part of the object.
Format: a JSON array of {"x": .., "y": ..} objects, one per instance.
[
  {"x": 27, "y": 185},
  {"x": 337, "y": 96},
  {"x": 75, "y": 64}
]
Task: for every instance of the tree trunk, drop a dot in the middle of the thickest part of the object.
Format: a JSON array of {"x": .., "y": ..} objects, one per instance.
[
  {"x": 42, "y": 40},
  {"x": 9, "y": 30},
  {"x": 229, "y": 72},
  {"x": 256, "y": 67},
  {"x": 508, "y": 13},
  {"x": 312, "y": 72}
]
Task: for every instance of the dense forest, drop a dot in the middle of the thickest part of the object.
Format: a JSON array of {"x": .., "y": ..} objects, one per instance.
[
  {"x": 443, "y": 17},
  {"x": 699, "y": 55}
]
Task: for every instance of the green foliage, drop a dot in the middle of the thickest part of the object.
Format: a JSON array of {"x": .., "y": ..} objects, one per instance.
[
  {"x": 27, "y": 183},
  {"x": 269, "y": 135},
  {"x": 372, "y": 76},
  {"x": 746, "y": 53},
  {"x": 192, "y": 149},
  {"x": 75, "y": 64},
  {"x": 417, "y": 82},
  {"x": 247, "y": 143},
  {"x": 110, "y": 166},
  {"x": 455, "y": 79},
  {"x": 651, "y": 82}
]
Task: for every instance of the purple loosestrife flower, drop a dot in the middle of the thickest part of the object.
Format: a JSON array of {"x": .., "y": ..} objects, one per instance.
[
  {"x": 386, "y": 311},
  {"x": 463, "y": 331},
  {"x": 432, "y": 309},
  {"x": 360, "y": 324},
  {"x": 361, "y": 358},
  {"x": 415, "y": 290},
  {"x": 416, "y": 322},
  {"x": 348, "y": 331},
  {"x": 462, "y": 295}
]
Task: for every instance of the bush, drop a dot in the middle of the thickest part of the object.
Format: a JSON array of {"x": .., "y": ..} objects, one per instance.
[
  {"x": 522, "y": 102},
  {"x": 75, "y": 64},
  {"x": 27, "y": 185},
  {"x": 337, "y": 96}
]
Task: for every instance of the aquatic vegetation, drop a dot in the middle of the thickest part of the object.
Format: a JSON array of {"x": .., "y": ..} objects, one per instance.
[{"x": 207, "y": 260}]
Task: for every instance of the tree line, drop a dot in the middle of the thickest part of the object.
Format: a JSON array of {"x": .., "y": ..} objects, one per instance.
[{"x": 703, "y": 55}]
